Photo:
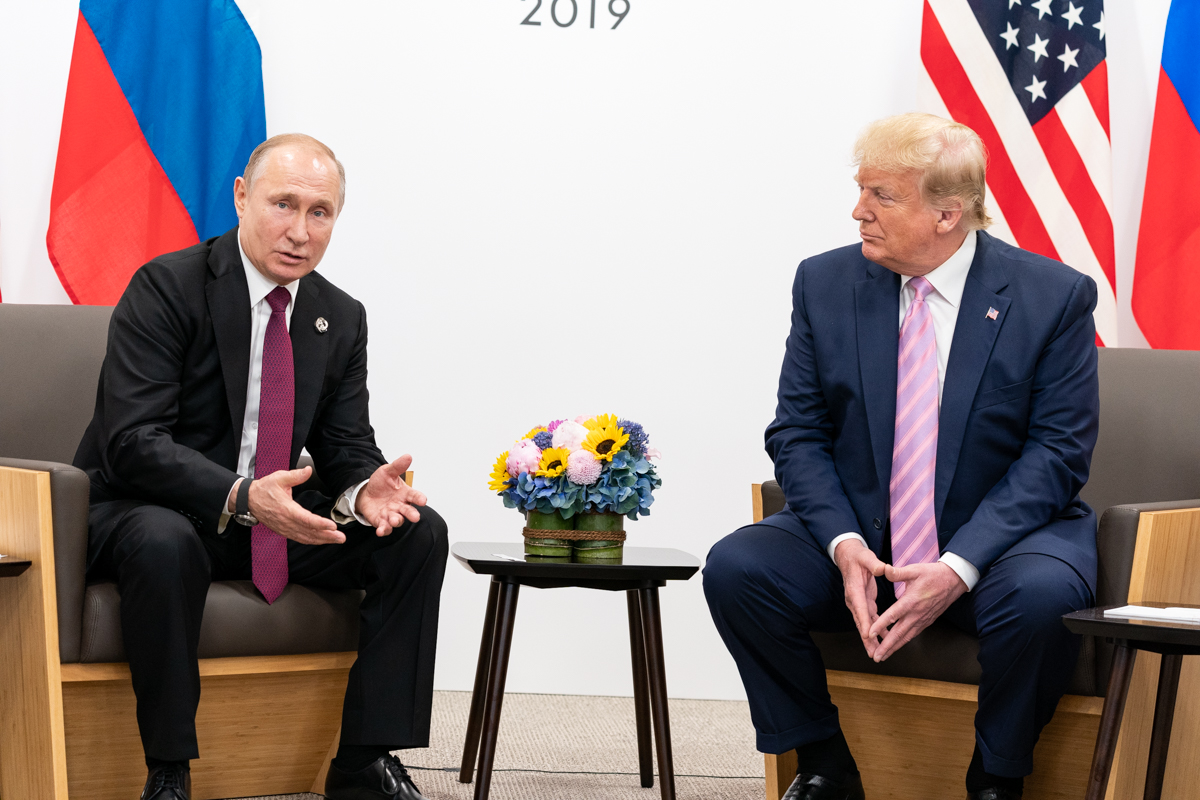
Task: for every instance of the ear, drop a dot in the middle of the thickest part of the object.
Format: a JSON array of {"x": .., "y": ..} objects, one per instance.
[
  {"x": 239, "y": 195},
  {"x": 947, "y": 221}
]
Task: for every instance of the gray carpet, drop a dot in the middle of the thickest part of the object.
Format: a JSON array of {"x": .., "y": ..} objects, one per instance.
[{"x": 555, "y": 747}]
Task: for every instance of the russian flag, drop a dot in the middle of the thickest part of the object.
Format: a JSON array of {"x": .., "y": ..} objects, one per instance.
[
  {"x": 1166, "y": 280},
  {"x": 164, "y": 106}
]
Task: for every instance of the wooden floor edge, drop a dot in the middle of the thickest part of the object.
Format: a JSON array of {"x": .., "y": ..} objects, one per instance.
[
  {"x": 945, "y": 690},
  {"x": 209, "y": 667}
]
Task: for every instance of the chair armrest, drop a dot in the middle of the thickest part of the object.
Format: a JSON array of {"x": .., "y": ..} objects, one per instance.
[
  {"x": 1115, "y": 542},
  {"x": 69, "y": 489}
]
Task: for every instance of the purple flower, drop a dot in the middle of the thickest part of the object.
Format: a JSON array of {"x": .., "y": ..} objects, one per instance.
[
  {"x": 554, "y": 425},
  {"x": 543, "y": 440},
  {"x": 637, "y": 437}
]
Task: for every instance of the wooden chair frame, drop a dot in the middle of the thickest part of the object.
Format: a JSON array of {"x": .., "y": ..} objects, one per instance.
[
  {"x": 937, "y": 717},
  {"x": 266, "y": 725}
]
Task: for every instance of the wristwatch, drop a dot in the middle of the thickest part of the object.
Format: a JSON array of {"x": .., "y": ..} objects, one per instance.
[{"x": 241, "y": 506}]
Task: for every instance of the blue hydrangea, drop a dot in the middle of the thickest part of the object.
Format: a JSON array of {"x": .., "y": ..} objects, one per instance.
[
  {"x": 543, "y": 440},
  {"x": 638, "y": 440}
]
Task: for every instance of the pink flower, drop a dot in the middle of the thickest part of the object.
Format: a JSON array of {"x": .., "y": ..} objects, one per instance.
[
  {"x": 524, "y": 457},
  {"x": 652, "y": 454},
  {"x": 570, "y": 435},
  {"x": 581, "y": 419},
  {"x": 553, "y": 426},
  {"x": 583, "y": 468}
]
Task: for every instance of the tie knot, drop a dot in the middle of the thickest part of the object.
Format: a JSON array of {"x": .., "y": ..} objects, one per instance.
[
  {"x": 278, "y": 298},
  {"x": 922, "y": 287}
]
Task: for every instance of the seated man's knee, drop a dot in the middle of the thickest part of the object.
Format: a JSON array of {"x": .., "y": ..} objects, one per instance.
[
  {"x": 161, "y": 542},
  {"x": 1043, "y": 588},
  {"x": 730, "y": 567},
  {"x": 430, "y": 535}
]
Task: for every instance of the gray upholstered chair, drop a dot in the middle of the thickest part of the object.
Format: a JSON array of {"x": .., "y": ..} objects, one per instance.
[
  {"x": 1147, "y": 460},
  {"x": 61, "y": 679}
]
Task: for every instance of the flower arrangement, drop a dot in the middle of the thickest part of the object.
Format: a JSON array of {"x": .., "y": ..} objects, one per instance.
[{"x": 564, "y": 474}]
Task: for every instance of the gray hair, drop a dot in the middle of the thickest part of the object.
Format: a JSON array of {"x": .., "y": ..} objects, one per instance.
[{"x": 258, "y": 159}]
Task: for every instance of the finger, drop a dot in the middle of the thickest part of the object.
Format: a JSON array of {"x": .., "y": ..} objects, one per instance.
[
  {"x": 401, "y": 464},
  {"x": 302, "y": 517},
  {"x": 897, "y": 574},
  {"x": 888, "y": 619},
  {"x": 383, "y": 529},
  {"x": 872, "y": 563},
  {"x": 415, "y": 498},
  {"x": 900, "y": 635},
  {"x": 293, "y": 477}
]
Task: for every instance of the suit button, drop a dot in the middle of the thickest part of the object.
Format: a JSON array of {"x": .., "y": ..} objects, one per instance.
[{"x": 877, "y": 523}]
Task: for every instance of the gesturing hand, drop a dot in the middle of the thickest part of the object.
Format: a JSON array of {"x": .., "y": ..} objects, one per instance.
[
  {"x": 860, "y": 568},
  {"x": 386, "y": 501},
  {"x": 272, "y": 505},
  {"x": 929, "y": 590}
]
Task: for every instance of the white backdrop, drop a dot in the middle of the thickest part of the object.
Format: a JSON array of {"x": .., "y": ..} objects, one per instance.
[{"x": 548, "y": 221}]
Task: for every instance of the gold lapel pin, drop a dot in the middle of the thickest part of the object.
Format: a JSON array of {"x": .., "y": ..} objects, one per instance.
[{"x": 321, "y": 325}]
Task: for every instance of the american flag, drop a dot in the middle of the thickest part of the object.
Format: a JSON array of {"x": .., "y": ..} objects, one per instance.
[{"x": 1029, "y": 76}]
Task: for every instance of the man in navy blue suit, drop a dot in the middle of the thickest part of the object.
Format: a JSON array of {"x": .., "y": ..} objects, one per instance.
[{"x": 938, "y": 406}]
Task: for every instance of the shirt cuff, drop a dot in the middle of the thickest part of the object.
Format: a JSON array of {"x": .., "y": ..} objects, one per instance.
[
  {"x": 345, "y": 509},
  {"x": 839, "y": 539},
  {"x": 226, "y": 514},
  {"x": 965, "y": 569}
]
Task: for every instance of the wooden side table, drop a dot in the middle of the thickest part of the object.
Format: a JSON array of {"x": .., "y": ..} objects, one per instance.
[
  {"x": 10, "y": 568},
  {"x": 640, "y": 574},
  {"x": 1173, "y": 640}
]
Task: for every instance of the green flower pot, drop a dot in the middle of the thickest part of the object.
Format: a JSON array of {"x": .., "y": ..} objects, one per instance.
[
  {"x": 548, "y": 547},
  {"x": 599, "y": 549}
]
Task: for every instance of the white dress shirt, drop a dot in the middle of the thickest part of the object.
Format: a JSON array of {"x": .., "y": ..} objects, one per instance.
[
  {"x": 948, "y": 281},
  {"x": 260, "y": 315}
]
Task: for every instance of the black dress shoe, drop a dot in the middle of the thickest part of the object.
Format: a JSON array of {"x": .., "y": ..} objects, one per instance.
[
  {"x": 384, "y": 779},
  {"x": 814, "y": 787},
  {"x": 168, "y": 782},
  {"x": 994, "y": 793}
]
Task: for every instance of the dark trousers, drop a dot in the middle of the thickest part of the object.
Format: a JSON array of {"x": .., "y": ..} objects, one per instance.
[
  {"x": 163, "y": 568},
  {"x": 768, "y": 589}
]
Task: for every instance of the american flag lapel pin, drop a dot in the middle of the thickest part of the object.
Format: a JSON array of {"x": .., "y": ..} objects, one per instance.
[{"x": 992, "y": 313}]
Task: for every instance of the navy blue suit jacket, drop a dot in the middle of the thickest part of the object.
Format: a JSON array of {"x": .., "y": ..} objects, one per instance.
[{"x": 1019, "y": 416}]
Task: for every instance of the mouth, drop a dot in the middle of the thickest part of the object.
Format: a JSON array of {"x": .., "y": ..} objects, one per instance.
[{"x": 290, "y": 259}]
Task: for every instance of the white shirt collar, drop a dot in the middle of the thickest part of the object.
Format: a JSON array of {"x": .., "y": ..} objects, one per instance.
[
  {"x": 950, "y": 278},
  {"x": 259, "y": 285}
]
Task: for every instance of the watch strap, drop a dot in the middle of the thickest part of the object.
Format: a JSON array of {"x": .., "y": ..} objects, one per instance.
[{"x": 241, "y": 506}]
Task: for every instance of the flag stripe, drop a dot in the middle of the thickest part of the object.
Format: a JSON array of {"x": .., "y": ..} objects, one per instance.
[
  {"x": 960, "y": 98},
  {"x": 1077, "y": 185},
  {"x": 1096, "y": 87},
  {"x": 1090, "y": 141}
]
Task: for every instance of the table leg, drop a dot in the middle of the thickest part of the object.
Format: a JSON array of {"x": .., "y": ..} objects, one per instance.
[
  {"x": 479, "y": 693},
  {"x": 506, "y": 616},
  {"x": 652, "y": 630},
  {"x": 1110, "y": 721},
  {"x": 1164, "y": 714},
  {"x": 641, "y": 687}
]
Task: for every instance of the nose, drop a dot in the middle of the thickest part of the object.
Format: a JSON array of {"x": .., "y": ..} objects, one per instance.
[
  {"x": 861, "y": 212},
  {"x": 297, "y": 232}
]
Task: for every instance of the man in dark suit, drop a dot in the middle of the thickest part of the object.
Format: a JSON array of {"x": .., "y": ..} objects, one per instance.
[
  {"x": 938, "y": 406},
  {"x": 224, "y": 361}
]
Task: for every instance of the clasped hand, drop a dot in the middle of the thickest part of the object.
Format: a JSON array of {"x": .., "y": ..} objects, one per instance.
[
  {"x": 929, "y": 591},
  {"x": 385, "y": 501}
]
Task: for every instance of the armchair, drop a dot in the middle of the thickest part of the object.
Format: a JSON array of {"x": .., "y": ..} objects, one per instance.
[
  {"x": 272, "y": 676},
  {"x": 1145, "y": 485}
]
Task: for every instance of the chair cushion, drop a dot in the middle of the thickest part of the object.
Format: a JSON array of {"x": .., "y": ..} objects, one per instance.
[
  {"x": 939, "y": 653},
  {"x": 237, "y": 622}
]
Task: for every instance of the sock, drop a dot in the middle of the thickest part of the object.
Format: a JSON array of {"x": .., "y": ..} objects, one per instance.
[
  {"x": 979, "y": 779},
  {"x": 151, "y": 763},
  {"x": 829, "y": 758},
  {"x": 352, "y": 758}
]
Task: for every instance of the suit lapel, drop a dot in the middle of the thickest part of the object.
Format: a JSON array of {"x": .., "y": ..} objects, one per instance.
[
  {"x": 310, "y": 350},
  {"x": 228, "y": 298},
  {"x": 974, "y": 335},
  {"x": 877, "y": 315}
]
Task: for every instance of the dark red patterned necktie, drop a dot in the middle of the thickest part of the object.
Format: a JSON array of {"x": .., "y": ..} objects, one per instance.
[{"x": 276, "y": 406}]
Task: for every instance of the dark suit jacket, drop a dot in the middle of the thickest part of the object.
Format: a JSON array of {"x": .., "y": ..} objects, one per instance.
[
  {"x": 1019, "y": 416},
  {"x": 172, "y": 392}
]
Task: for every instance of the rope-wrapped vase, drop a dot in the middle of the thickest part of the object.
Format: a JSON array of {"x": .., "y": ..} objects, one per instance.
[{"x": 585, "y": 537}]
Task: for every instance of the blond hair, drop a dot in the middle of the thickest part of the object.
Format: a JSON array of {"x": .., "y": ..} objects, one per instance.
[
  {"x": 950, "y": 159},
  {"x": 258, "y": 159}
]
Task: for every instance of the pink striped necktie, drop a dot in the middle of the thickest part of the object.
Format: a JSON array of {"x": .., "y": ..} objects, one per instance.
[
  {"x": 276, "y": 406},
  {"x": 914, "y": 456}
]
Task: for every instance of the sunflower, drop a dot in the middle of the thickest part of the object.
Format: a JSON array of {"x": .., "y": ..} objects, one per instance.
[
  {"x": 553, "y": 463},
  {"x": 599, "y": 423},
  {"x": 605, "y": 438},
  {"x": 500, "y": 476},
  {"x": 534, "y": 432}
]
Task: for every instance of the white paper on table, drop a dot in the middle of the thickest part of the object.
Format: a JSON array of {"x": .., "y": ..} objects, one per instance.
[{"x": 1173, "y": 614}]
